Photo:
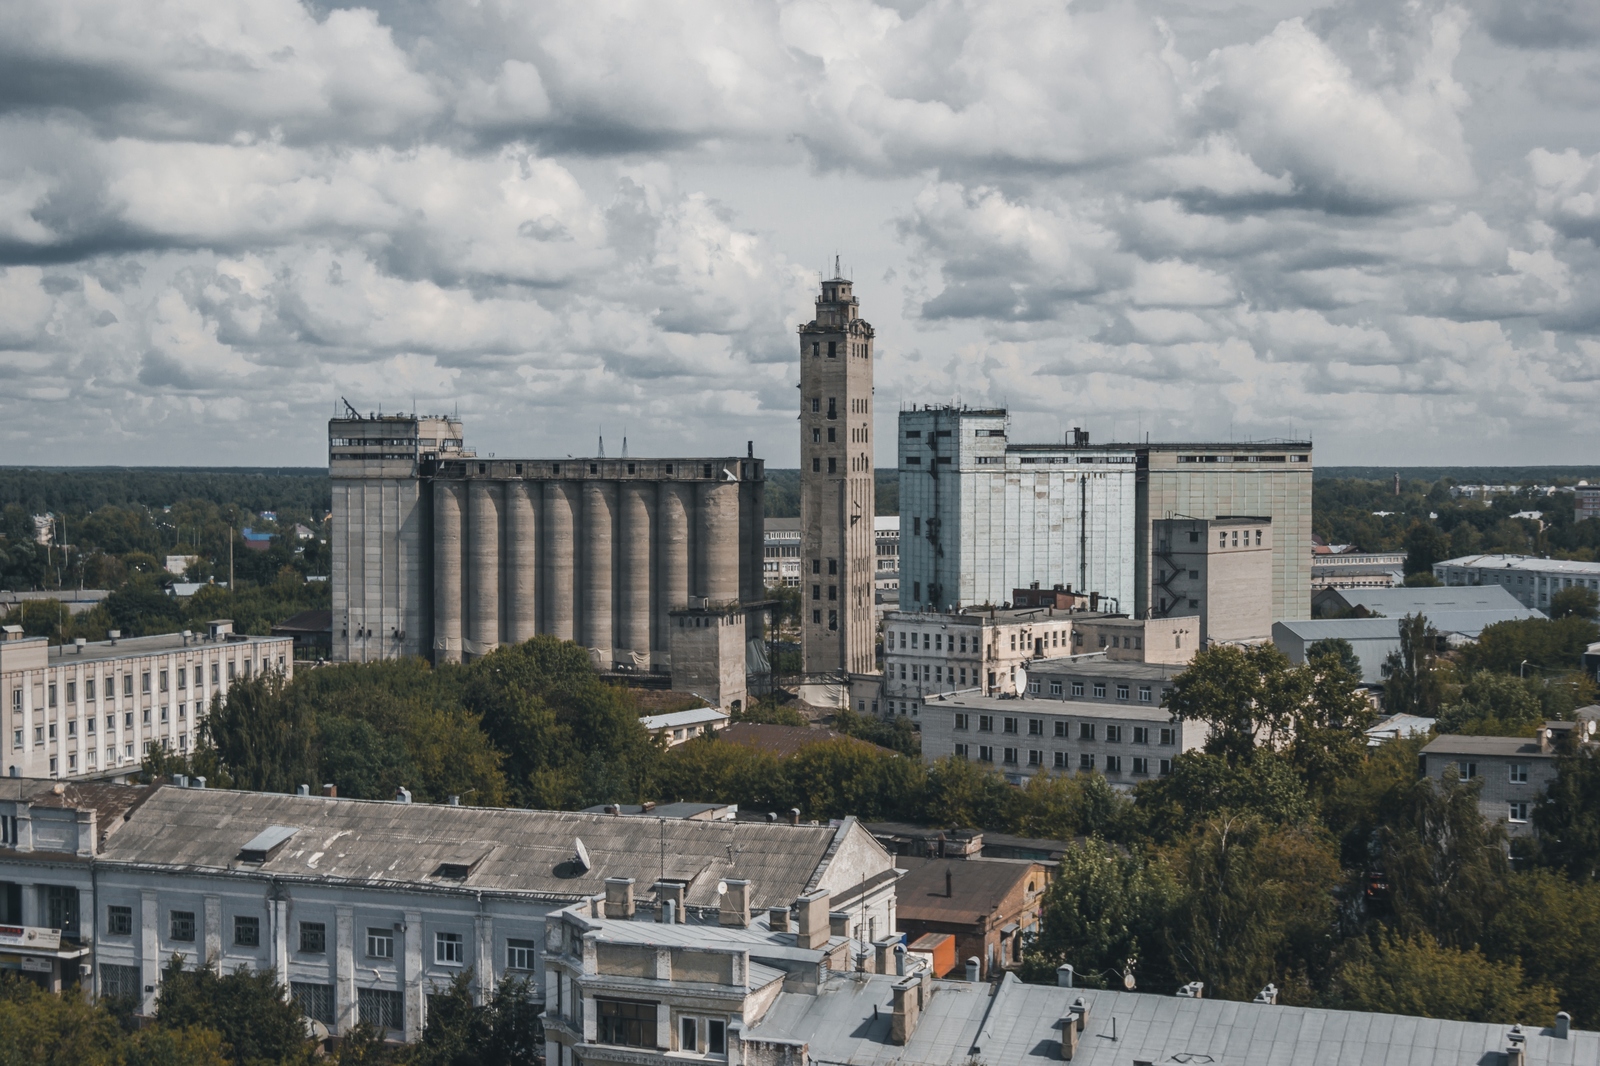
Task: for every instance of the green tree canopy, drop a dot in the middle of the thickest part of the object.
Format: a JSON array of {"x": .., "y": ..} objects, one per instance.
[{"x": 1420, "y": 976}]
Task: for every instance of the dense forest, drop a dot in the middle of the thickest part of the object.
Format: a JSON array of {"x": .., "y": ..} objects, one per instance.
[{"x": 783, "y": 492}]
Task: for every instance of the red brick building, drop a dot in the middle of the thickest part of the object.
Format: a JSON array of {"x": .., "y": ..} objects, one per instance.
[{"x": 987, "y": 905}]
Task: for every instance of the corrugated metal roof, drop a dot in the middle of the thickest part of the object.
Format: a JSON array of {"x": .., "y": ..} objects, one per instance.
[
  {"x": 677, "y": 719},
  {"x": 1525, "y": 563},
  {"x": 516, "y": 851},
  {"x": 1395, "y": 602}
]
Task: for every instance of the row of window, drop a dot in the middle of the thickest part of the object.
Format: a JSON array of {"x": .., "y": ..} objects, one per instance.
[
  {"x": 1035, "y": 687},
  {"x": 92, "y": 686},
  {"x": 1516, "y": 773},
  {"x": 1086, "y": 730},
  {"x": 1138, "y": 765},
  {"x": 448, "y": 948}
]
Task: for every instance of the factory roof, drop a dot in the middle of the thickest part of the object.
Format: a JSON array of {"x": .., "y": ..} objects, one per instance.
[
  {"x": 1524, "y": 562},
  {"x": 1464, "y": 623},
  {"x": 1011, "y": 1022},
  {"x": 1398, "y": 602},
  {"x": 513, "y": 851},
  {"x": 679, "y": 719}
]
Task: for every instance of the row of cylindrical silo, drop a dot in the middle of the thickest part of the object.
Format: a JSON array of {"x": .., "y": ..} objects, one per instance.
[{"x": 600, "y": 562}]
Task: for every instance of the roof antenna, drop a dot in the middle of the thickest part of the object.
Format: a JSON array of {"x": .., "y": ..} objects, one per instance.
[
  {"x": 352, "y": 411},
  {"x": 836, "y": 266},
  {"x": 602, "y": 445},
  {"x": 624, "y": 445}
]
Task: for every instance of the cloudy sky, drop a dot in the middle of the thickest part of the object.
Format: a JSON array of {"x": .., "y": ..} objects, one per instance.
[{"x": 1373, "y": 222}]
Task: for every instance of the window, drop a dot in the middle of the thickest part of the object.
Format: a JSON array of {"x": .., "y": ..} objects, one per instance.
[
  {"x": 985, "y": 753},
  {"x": 313, "y": 938},
  {"x": 1035, "y": 758},
  {"x": 1519, "y": 811},
  {"x": 1114, "y": 734},
  {"x": 1519, "y": 773},
  {"x": 986, "y": 723},
  {"x": 182, "y": 926},
  {"x": 963, "y": 721},
  {"x": 1122, "y": 692},
  {"x": 381, "y": 1008},
  {"x": 1144, "y": 693},
  {"x": 1062, "y": 727},
  {"x": 127, "y": 685},
  {"x": 626, "y": 1022},
  {"x": 1009, "y": 725},
  {"x": 119, "y": 921},
  {"x": 1141, "y": 734},
  {"x": 716, "y": 1037},
  {"x": 520, "y": 954},
  {"x": 1010, "y": 756},
  {"x": 1169, "y": 737},
  {"x": 689, "y": 1028},
  {"x": 1086, "y": 761},
  {"x": 1077, "y": 686},
  {"x": 1113, "y": 764},
  {"x": 246, "y": 931},
  {"x": 1055, "y": 688},
  {"x": 183, "y": 677},
  {"x": 1467, "y": 770},
  {"x": 72, "y": 692},
  {"x": 88, "y": 689},
  {"x": 119, "y": 982},
  {"x": 1061, "y": 760},
  {"x": 961, "y": 751},
  {"x": 1166, "y": 767},
  {"x": 144, "y": 682},
  {"x": 1141, "y": 767},
  {"x": 163, "y": 681},
  {"x": 380, "y": 943},
  {"x": 316, "y": 1001},
  {"x": 1036, "y": 727},
  {"x": 1085, "y": 730},
  {"x": 1099, "y": 690},
  {"x": 448, "y": 948}
]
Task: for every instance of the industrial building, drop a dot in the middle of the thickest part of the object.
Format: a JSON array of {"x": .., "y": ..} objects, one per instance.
[
  {"x": 837, "y": 493},
  {"x": 90, "y": 709},
  {"x": 1218, "y": 572},
  {"x": 981, "y": 516},
  {"x": 1530, "y": 579},
  {"x": 440, "y": 553}
]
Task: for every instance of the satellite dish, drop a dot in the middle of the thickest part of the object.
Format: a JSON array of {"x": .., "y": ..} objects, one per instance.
[
  {"x": 722, "y": 888},
  {"x": 581, "y": 860},
  {"x": 1022, "y": 680}
]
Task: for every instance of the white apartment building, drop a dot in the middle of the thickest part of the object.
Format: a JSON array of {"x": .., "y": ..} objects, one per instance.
[
  {"x": 88, "y": 710},
  {"x": 927, "y": 653},
  {"x": 987, "y": 517},
  {"x": 1127, "y": 742},
  {"x": 780, "y": 552},
  {"x": 1530, "y": 579},
  {"x": 363, "y": 907}
]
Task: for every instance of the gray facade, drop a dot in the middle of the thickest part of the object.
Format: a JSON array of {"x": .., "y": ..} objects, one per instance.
[
  {"x": 1217, "y": 571},
  {"x": 442, "y": 554},
  {"x": 837, "y": 488},
  {"x": 1512, "y": 773},
  {"x": 1528, "y": 578},
  {"x": 367, "y": 907},
  {"x": 1128, "y": 742},
  {"x": 980, "y": 517}
]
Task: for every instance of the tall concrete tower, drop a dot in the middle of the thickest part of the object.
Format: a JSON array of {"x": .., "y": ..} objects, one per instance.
[{"x": 836, "y": 486}]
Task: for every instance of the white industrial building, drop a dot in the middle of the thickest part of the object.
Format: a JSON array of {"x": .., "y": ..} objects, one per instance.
[
  {"x": 1530, "y": 579},
  {"x": 987, "y": 517},
  {"x": 90, "y": 709}
]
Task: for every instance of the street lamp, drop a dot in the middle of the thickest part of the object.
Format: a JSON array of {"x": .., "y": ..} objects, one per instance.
[{"x": 1522, "y": 669}]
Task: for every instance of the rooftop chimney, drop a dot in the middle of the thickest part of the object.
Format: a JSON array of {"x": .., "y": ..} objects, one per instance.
[
  {"x": 330, "y": 790},
  {"x": 669, "y": 897},
  {"x": 838, "y": 923},
  {"x": 402, "y": 795},
  {"x": 453, "y": 800},
  {"x": 907, "y": 1011},
  {"x": 302, "y": 790},
  {"x": 778, "y": 919},
  {"x": 811, "y": 928},
  {"x": 1064, "y": 974},
  {"x": 735, "y": 903},
  {"x": 198, "y": 782},
  {"x": 974, "y": 968},
  {"x": 1563, "y": 1025},
  {"x": 619, "y": 897},
  {"x": 794, "y": 815}
]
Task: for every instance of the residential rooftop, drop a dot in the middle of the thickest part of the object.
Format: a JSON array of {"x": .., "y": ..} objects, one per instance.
[
  {"x": 1457, "y": 744},
  {"x": 1121, "y": 709}
]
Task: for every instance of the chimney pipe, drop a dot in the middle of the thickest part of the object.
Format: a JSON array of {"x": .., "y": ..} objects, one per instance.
[
  {"x": 973, "y": 968},
  {"x": 402, "y": 795},
  {"x": 302, "y": 790},
  {"x": 735, "y": 909},
  {"x": 778, "y": 919},
  {"x": 1064, "y": 975},
  {"x": 949, "y": 884},
  {"x": 198, "y": 782},
  {"x": 453, "y": 800},
  {"x": 1563, "y": 1025},
  {"x": 330, "y": 790},
  {"x": 619, "y": 897},
  {"x": 794, "y": 815}
]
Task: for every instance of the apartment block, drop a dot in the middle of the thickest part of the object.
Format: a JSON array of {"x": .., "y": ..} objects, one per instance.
[
  {"x": 1513, "y": 773},
  {"x": 1530, "y": 579},
  {"x": 1127, "y": 742},
  {"x": 929, "y": 653},
  {"x": 111, "y": 881},
  {"x": 90, "y": 709}
]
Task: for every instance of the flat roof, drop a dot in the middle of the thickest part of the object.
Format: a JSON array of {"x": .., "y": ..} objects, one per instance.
[
  {"x": 132, "y": 647},
  {"x": 1523, "y": 562},
  {"x": 1101, "y": 667},
  {"x": 676, "y": 719},
  {"x": 1457, "y": 744},
  {"x": 1013, "y": 705}
]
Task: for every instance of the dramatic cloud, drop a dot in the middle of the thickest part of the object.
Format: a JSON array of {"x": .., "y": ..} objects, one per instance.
[{"x": 1373, "y": 223}]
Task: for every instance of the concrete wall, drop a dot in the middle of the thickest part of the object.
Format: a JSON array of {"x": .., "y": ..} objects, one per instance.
[
  {"x": 1218, "y": 572},
  {"x": 708, "y": 655}
]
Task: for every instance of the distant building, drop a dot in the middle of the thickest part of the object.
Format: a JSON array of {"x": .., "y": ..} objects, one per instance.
[
  {"x": 1354, "y": 570},
  {"x": 1398, "y": 727},
  {"x": 990, "y": 908},
  {"x": 90, "y": 710},
  {"x": 256, "y": 542},
  {"x": 1400, "y": 601},
  {"x": 76, "y": 601},
  {"x": 1098, "y": 679},
  {"x": 680, "y": 727},
  {"x": 1217, "y": 571},
  {"x": 44, "y": 528},
  {"x": 312, "y": 632},
  {"x": 177, "y": 565},
  {"x": 927, "y": 653},
  {"x": 1586, "y": 501},
  {"x": 1126, "y": 742},
  {"x": 1530, "y": 579},
  {"x": 1513, "y": 772},
  {"x": 1372, "y": 640},
  {"x": 780, "y": 552}
]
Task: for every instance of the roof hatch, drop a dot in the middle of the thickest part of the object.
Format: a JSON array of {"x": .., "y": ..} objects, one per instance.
[{"x": 267, "y": 843}]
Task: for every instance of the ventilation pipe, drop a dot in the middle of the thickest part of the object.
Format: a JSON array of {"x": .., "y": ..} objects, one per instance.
[
  {"x": 973, "y": 968},
  {"x": 302, "y": 790},
  {"x": 402, "y": 795},
  {"x": 1064, "y": 974}
]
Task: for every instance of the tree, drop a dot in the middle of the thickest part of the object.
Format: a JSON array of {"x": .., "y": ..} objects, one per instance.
[
  {"x": 1247, "y": 695},
  {"x": 1203, "y": 786},
  {"x": 1339, "y": 647},
  {"x": 1425, "y": 545},
  {"x": 1329, "y": 736},
  {"x": 248, "y": 1008},
  {"x": 1257, "y": 906},
  {"x": 264, "y": 732},
  {"x": 40, "y": 1029},
  {"x": 1446, "y": 864},
  {"x": 1575, "y": 602},
  {"x": 1493, "y": 704},
  {"x": 1551, "y": 644},
  {"x": 1420, "y": 976},
  {"x": 505, "y": 1031},
  {"x": 1105, "y": 909},
  {"x": 1414, "y": 684},
  {"x": 1552, "y": 925},
  {"x": 1568, "y": 818}
]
